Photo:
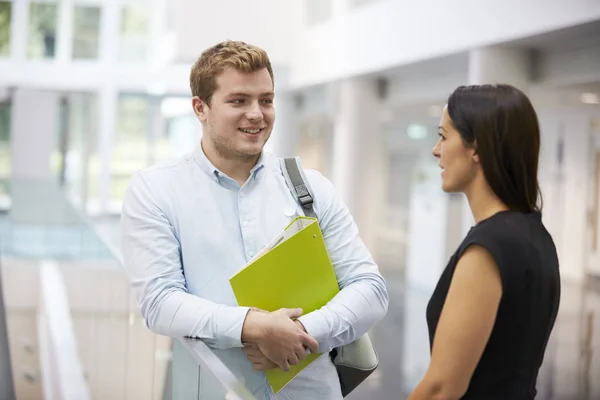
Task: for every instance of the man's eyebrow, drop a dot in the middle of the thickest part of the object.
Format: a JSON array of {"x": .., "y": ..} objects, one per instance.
[
  {"x": 242, "y": 94},
  {"x": 238, "y": 94}
]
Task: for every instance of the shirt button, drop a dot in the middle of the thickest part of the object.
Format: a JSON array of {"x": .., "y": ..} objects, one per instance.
[
  {"x": 245, "y": 223},
  {"x": 242, "y": 194},
  {"x": 251, "y": 254}
]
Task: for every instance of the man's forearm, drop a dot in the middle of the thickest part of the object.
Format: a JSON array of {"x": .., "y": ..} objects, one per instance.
[
  {"x": 351, "y": 313},
  {"x": 180, "y": 314}
]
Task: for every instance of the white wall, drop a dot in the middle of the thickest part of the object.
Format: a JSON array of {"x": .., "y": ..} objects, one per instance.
[
  {"x": 270, "y": 24},
  {"x": 88, "y": 76},
  {"x": 389, "y": 33}
]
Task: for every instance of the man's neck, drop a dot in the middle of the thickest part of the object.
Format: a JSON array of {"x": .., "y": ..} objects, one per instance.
[{"x": 238, "y": 169}]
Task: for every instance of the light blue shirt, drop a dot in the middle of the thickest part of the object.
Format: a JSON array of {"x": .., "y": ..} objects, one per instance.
[{"x": 187, "y": 228}]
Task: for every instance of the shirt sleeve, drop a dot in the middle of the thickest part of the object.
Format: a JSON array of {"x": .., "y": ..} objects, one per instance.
[
  {"x": 363, "y": 298},
  {"x": 152, "y": 259}
]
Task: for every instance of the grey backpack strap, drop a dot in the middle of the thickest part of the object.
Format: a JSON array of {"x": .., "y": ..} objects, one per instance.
[{"x": 294, "y": 177}]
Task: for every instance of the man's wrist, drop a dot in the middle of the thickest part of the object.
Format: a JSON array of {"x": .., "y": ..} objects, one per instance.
[
  {"x": 300, "y": 325},
  {"x": 252, "y": 329}
]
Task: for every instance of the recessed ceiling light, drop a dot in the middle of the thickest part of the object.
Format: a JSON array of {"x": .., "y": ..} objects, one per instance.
[
  {"x": 416, "y": 132},
  {"x": 590, "y": 98}
]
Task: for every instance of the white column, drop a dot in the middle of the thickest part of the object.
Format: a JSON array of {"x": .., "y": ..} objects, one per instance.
[
  {"x": 18, "y": 34},
  {"x": 284, "y": 139},
  {"x": 107, "y": 120},
  {"x": 33, "y": 138},
  {"x": 64, "y": 34},
  {"x": 33, "y": 120},
  {"x": 567, "y": 184},
  {"x": 110, "y": 29},
  {"x": 358, "y": 164},
  {"x": 492, "y": 65}
]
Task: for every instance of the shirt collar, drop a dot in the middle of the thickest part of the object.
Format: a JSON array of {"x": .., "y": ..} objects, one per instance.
[{"x": 212, "y": 171}]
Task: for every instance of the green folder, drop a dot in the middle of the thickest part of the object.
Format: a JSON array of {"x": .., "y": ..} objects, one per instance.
[{"x": 293, "y": 270}]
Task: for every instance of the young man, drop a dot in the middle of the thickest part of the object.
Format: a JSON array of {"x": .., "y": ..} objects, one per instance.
[{"x": 189, "y": 225}]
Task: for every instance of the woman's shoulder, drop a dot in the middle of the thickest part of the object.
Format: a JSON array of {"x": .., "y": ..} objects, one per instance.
[
  {"x": 507, "y": 226},
  {"x": 508, "y": 232}
]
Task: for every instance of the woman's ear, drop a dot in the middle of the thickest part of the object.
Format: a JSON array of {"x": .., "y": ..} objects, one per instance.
[{"x": 475, "y": 153}]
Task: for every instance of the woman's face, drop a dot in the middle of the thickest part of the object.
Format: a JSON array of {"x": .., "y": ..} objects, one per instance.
[{"x": 459, "y": 163}]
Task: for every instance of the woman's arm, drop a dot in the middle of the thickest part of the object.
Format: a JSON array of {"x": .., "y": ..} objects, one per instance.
[{"x": 464, "y": 327}]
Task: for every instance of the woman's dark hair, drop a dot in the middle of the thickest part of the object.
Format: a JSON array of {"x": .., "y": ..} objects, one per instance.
[{"x": 500, "y": 122}]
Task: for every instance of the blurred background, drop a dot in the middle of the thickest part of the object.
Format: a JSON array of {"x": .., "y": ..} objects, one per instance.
[{"x": 93, "y": 90}]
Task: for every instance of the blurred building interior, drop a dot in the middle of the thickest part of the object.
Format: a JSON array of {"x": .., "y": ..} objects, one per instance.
[{"x": 93, "y": 90}]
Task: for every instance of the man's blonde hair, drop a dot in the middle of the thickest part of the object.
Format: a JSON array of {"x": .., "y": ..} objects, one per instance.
[{"x": 214, "y": 60}]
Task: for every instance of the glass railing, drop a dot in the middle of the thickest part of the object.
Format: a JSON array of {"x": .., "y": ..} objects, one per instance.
[
  {"x": 41, "y": 224},
  {"x": 7, "y": 390},
  {"x": 120, "y": 357},
  {"x": 199, "y": 374}
]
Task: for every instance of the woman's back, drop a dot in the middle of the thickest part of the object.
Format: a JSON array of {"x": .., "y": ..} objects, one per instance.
[{"x": 526, "y": 258}]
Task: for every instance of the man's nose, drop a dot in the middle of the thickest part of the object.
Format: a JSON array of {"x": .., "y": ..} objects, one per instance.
[{"x": 254, "y": 113}]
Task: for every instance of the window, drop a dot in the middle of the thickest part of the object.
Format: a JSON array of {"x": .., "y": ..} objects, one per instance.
[
  {"x": 86, "y": 32},
  {"x": 134, "y": 33},
  {"x": 41, "y": 41},
  {"x": 5, "y": 12}
]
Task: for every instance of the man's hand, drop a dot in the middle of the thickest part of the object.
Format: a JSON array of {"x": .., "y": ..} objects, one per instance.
[
  {"x": 278, "y": 337},
  {"x": 259, "y": 361}
]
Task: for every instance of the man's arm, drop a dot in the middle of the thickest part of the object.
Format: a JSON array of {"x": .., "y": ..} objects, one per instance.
[
  {"x": 363, "y": 298},
  {"x": 152, "y": 259}
]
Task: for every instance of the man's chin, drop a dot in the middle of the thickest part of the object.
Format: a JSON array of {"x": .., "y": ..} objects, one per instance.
[{"x": 249, "y": 154}]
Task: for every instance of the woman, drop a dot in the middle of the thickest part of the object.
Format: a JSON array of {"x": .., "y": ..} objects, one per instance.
[{"x": 495, "y": 304}]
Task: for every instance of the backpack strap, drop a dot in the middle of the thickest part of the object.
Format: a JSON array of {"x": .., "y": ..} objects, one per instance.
[{"x": 296, "y": 181}]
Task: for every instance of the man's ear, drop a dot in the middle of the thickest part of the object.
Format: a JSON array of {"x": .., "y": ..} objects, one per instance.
[{"x": 200, "y": 108}]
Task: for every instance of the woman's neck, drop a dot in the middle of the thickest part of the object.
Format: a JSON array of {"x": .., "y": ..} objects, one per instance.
[{"x": 483, "y": 201}]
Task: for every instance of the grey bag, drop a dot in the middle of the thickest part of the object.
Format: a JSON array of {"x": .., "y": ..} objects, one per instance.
[{"x": 357, "y": 360}]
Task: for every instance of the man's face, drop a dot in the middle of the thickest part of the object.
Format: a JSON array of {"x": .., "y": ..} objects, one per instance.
[{"x": 240, "y": 118}]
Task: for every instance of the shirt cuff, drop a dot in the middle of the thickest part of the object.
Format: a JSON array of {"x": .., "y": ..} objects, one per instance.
[
  {"x": 316, "y": 326},
  {"x": 230, "y": 321}
]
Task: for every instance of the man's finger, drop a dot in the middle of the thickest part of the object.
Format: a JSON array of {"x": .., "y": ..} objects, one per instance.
[
  {"x": 311, "y": 343},
  {"x": 256, "y": 359},
  {"x": 284, "y": 365},
  {"x": 292, "y": 312},
  {"x": 293, "y": 359},
  {"x": 252, "y": 351},
  {"x": 301, "y": 354}
]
